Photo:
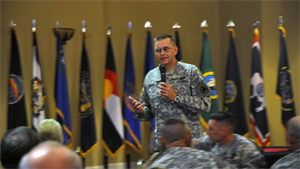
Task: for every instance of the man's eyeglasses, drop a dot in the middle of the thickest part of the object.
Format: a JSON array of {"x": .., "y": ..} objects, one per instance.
[{"x": 165, "y": 49}]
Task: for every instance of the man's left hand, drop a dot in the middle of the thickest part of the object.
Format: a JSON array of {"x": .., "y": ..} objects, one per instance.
[{"x": 167, "y": 91}]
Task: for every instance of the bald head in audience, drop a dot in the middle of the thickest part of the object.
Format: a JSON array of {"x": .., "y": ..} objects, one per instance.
[
  {"x": 50, "y": 154},
  {"x": 293, "y": 132}
]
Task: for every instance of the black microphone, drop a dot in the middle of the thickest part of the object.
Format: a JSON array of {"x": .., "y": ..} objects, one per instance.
[{"x": 163, "y": 74}]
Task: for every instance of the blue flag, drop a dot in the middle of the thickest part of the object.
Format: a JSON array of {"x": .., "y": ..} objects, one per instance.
[
  {"x": 88, "y": 137},
  {"x": 61, "y": 92},
  {"x": 258, "y": 111},
  {"x": 131, "y": 125},
  {"x": 16, "y": 115},
  {"x": 284, "y": 89},
  {"x": 234, "y": 99},
  {"x": 148, "y": 65}
]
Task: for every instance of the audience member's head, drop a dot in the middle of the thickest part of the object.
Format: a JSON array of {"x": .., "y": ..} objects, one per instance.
[
  {"x": 175, "y": 133},
  {"x": 293, "y": 132},
  {"x": 50, "y": 129},
  {"x": 15, "y": 143},
  {"x": 221, "y": 127},
  {"x": 50, "y": 154}
]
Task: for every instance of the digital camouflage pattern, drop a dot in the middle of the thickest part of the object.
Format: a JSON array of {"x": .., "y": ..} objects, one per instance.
[
  {"x": 188, "y": 158},
  {"x": 240, "y": 152},
  {"x": 194, "y": 97},
  {"x": 290, "y": 161}
]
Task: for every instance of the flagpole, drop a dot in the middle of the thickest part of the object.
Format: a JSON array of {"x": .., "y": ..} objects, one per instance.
[
  {"x": 129, "y": 27},
  {"x": 83, "y": 31},
  {"x": 108, "y": 33}
]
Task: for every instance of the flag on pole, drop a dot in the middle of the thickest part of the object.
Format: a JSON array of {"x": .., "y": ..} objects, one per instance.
[
  {"x": 61, "y": 92},
  {"x": 234, "y": 100},
  {"x": 179, "y": 53},
  {"x": 258, "y": 112},
  {"x": 16, "y": 115},
  {"x": 132, "y": 129},
  {"x": 284, "y": 89},
  {"x": 209, "y": 77},
  {"x": 112, "y": 126},
  {"x": 88, "y": 137},
  {"x": 38, "y": 93},
  {"x": 149, "y": 64}
]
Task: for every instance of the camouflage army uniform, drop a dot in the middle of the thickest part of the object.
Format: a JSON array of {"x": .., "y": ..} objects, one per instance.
[
  {"x": 289, "y": 161},
  {"x": 194, "y": 94},
  {"x": 240, "y": 152},
  {"x": 188, "y": 158}
]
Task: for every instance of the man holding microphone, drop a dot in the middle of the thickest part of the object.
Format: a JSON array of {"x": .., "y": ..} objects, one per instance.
[{"x": 179, "y": 92}]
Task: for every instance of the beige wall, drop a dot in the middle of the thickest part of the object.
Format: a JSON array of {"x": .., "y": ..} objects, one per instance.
[{"x": 162, "y": 14}]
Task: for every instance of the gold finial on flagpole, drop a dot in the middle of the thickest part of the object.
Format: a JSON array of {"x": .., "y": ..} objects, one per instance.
[
  {"x": 280, "y": 21},
  {"x": 33, "y": 26},
  {"x": 230, "y": 24},
  {"x": 108, "y": 29}
]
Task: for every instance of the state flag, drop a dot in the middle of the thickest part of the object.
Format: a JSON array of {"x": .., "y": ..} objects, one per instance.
[
  {"x": 284, "y": 89},
  {"x": 208, "y": 74},
  {"x": 16, "y": 115},
  {"x": 38, "y": 93},
  {"x": 149, "y": 64},
  {"x": 258, "y": 111},
  {"x": 132, "y": 129},
  {"x": 234, "y": 99},
  {"x": 112, "y": 126},
  {"x": 88, "y": 137},
  {"x": 62, "y": 93}
]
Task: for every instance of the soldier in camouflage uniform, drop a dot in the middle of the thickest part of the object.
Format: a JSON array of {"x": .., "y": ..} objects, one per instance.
[
  {"x": 184, "y": 94},
  {"x": 233, "y": 148},
  {"x": 293, "y": 137},
  {"x": 177, "y": 155}
]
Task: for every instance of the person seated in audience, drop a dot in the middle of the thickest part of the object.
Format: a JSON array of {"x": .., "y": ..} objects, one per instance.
[
  {"x": 15, "y": 143},
  {"x": 50, "y": 129},
  {"x": 154, "y": 156},
  {"x": 293, "y": 138},
  {"x": 176, "y": 154},
  {"x": 50, "y": 154},
  {"x": 221, "y": 141}
]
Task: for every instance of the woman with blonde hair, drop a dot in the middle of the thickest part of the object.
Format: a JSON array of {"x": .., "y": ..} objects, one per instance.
[{"x": 50, "y": 129}]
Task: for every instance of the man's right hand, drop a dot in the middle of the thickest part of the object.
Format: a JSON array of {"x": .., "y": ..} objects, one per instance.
[{"x": 136, "y": 105}]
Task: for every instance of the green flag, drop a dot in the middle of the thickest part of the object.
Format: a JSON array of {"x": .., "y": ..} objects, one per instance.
[{"x": 208, "y": 74}]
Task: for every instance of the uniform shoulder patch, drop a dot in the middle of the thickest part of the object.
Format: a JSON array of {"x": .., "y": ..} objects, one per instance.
[{"x": 204, "y": 89}]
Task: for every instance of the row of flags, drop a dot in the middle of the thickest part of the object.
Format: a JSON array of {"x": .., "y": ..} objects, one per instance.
[{"x": 119, "y": 127}]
